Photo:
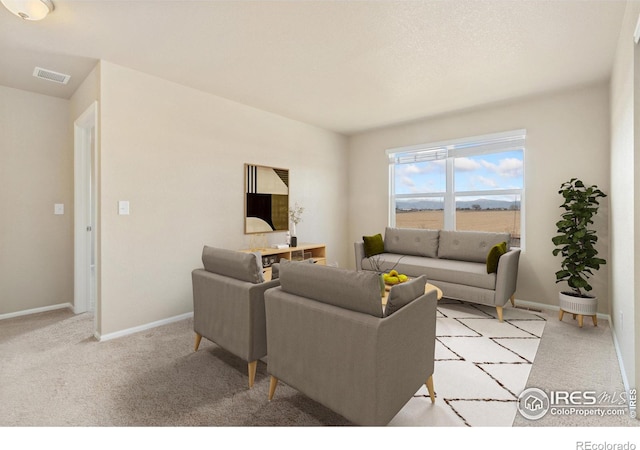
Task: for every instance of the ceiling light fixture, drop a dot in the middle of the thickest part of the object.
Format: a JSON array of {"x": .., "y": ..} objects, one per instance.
[{"x": 29, "y": 9}]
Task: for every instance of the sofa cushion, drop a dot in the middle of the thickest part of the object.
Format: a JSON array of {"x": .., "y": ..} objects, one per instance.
[
  {"x": 412, "y": 241},
  {"x": 468, "y": 245},
  {"x": 239, "y": 265},
  {"x": 494, "y": 256},
  {"x": 373, "y": 245},
  {"x": 402, "y": 294},
  {"x": 384, "y": 262},
  {"x": 457, "y": 272},
  {"x": 356, "y": 291}
]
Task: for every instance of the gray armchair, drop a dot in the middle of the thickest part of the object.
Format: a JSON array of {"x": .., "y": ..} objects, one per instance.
[
  {"x": 330, "y": 339},
  {"x": 228, "y": 304}
]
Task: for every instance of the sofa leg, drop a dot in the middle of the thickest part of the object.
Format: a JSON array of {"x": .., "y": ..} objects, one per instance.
[
  {"x": 429, "y": 385},
  {"x": 253, "y": 366},
  {"x": 513, "y": 300},
  {"x": 273, "y": 383},
  {"x": 198, "y": 339},
  {"x": 499, "y": 309}
]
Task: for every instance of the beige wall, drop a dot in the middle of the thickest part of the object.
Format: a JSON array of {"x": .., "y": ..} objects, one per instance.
[
  {"x": 625, "y": 201},
  {"x": 36, "y": 171},
  {"x": 177, "y": 155},
  {"x": 86, "y": 94},
  {"x": 567, "y": 136}
]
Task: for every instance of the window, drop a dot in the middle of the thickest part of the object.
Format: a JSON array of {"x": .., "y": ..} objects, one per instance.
[{"x": 466, "y": 184}]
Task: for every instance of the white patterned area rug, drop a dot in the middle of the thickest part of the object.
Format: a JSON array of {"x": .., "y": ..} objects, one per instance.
[{"x": 481, "y": 366}]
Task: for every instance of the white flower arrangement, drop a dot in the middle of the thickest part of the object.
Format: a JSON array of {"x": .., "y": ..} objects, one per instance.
[{"x": 295, "y": 215}]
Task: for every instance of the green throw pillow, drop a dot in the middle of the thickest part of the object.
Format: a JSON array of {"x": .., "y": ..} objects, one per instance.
[
  {"x": 494, "y": 255},
  {"x": 373, "y": 245}
]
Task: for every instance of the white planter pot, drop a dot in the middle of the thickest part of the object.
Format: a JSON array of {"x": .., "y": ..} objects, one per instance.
[{"x": 586, "y": 306}]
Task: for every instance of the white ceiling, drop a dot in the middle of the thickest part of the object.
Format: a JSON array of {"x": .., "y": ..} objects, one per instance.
[{"x": 345, "y": 66}]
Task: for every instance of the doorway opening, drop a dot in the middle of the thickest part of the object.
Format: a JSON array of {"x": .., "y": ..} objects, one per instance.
[{"x": 85, "y": 287}]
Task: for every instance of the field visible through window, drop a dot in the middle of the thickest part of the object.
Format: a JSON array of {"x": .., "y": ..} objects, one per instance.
[{"x": 466, "y": 220}]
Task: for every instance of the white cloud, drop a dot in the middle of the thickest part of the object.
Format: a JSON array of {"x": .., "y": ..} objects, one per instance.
[
  {"x": 421, "y": 168},
  {"x": 405, "y": 170},
  {"x": 467, "y": 165},
  {"x": 486, "y": 181},
  {"x": 408, "y": 182},
  {"x": 508, "y": 167}
]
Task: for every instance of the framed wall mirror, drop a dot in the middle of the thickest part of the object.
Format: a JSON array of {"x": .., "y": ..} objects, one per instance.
[{"x": 266, "y": 199}]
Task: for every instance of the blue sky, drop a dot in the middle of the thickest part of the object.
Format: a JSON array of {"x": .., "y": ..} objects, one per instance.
[{"x": 475, "y": 173}]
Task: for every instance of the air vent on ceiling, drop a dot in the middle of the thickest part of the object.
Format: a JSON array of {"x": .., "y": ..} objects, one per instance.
[{"x": 50, "y": 75}]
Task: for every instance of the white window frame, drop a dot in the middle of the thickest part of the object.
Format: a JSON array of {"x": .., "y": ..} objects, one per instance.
[{"x": 449, "y": 150}]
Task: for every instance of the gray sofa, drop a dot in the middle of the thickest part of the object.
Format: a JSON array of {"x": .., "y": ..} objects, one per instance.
[
  {"x": 454, "y": 261},
  {"x": 329, "y": 338},
  {"x": 228, "y": 304}
]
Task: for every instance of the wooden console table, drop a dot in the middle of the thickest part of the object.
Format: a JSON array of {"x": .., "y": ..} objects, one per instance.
[{"x": 317, "y": 252}]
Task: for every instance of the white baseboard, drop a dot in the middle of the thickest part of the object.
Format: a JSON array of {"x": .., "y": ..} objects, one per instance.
[
  {"x": 147, "y": 326},
  {"x": 625, "y": 381},
  {"x": 544, "y": 306},
  {"x": 532, "y": 305},
  {"x": 26, "y": 312}
]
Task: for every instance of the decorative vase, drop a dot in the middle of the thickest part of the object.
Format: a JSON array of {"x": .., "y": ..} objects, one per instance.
[
  {"x": 294, "y": 241},
  {"x": 578, "y": 306},
  {"x": 587, "y": 306}
]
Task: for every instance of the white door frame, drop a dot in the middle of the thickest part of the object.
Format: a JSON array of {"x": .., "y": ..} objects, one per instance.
[{"x": 85, "y": 217}]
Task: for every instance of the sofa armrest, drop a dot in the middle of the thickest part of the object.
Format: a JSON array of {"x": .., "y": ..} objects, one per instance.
[
  {"x": 258, "y": 319},
  {"x": 359, "y": 251},
  {"x": 260, "y": 288},
  {"x": 406, "y": 350},
  {"x": 231, "y": 313},
  {"x": 507, "y": 276}
]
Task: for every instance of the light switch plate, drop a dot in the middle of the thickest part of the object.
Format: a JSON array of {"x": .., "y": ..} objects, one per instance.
[
  {"x": 123, "y": 207},
  {"x": 58, "y": 209}
]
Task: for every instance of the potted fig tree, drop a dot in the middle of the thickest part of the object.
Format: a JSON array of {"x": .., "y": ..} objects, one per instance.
[{"x": 575, "y": 242}]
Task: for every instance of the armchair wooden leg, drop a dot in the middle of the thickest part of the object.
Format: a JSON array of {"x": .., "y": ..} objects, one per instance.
[
  {"x": 595, "y": 320},
  {"x": 198, "y": 339},
  {"x": 273, "y": 383},
  {"x": 513, "y": 300},
  {"x": 561, "y": 315},
  {"x": 253, "y": 366},
  {"x": 429, "y": 385},
  {"x": 499, "y": 309}
]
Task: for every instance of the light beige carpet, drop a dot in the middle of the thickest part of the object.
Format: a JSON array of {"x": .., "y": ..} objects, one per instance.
[{"x": 56, "y": 374}]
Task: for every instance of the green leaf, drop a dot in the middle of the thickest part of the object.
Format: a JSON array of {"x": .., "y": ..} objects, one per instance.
[
  {"x": 562, "y": 274},
  {"x": 575, "y": 241}
]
